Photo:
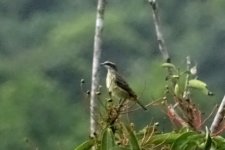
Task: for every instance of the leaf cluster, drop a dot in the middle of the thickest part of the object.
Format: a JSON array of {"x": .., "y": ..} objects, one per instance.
[{"x": 180, "y": 107}]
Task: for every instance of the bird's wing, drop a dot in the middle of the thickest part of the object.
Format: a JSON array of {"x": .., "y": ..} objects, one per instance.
[{"x": 124, "y": 85}]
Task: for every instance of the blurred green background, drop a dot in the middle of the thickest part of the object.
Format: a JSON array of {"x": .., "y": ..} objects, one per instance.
[{"x": 46, "y": 48}]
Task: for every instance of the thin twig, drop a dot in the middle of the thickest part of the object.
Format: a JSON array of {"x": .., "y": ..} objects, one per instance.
[
  {"x": 135, "y": 109},
  {"x": 161, "y": 41},
  {"x": 219, "y": 118},
  {"x": 207, "y": 118},
  {"x": 95, "y": 65},
  {"x": 153, "y": 131}
]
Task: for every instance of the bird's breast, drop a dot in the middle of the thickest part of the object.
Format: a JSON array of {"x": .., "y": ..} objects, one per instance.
[{"x": 110, "y": 78}]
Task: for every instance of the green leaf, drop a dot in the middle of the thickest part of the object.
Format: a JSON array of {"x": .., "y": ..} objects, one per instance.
[
  {"x": 177, "y": 90},
  {"x": 121, "y": 148},
  {"x": 166, "y": 138},
  {"x": 208, "y": 143},
  {"x": 191, "y": 146},
  {"x": 200, "y": 85},
  {"x": 86, "y": 145},
  {"x": 134, "y": 145},
  {"x": 219, "y": 142},
  {"x": 186, "y": 140},
  {"x": 107, "y": 142},
  {"x": 197, "y": 84},
  {"x": 168, "y": 65}
]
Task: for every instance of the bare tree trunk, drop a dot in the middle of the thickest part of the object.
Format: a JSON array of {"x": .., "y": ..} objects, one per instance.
[{"x": 95, "y": 65}]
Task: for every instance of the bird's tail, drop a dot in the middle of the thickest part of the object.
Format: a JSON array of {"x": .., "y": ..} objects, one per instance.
[{"x": 142, "y": 106}]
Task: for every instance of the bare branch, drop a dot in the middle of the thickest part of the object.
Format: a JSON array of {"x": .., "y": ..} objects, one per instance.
[
  {"x": 219, "y": 118},
  {"x": 161, "y": 41},
  {"x": 210, "y": 115},
  {"x": 186, "y": 94},
  {"x": 95, "y": 65}
]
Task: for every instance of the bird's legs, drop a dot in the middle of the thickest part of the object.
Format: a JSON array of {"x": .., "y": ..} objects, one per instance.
[
  {"x": 110, "y": 97},
  {"x": 121, "y": 103}
]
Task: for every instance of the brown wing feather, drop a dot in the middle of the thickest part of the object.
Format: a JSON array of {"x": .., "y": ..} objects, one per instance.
[{"x": 124, "y": 85}]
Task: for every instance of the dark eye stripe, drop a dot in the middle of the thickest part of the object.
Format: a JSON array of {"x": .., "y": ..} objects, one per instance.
[{"x": 111, "y": 64}]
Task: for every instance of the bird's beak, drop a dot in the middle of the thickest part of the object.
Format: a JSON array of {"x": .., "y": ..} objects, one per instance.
[{"x": 102, "y": 64}]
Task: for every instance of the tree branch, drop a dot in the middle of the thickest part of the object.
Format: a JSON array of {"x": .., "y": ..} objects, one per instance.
[
  {"x": 219, "y": 118},
  {"x": 95, "y": 65},
  {"x": 160, "y": 39},
  {"x": 186, "y": 94}
]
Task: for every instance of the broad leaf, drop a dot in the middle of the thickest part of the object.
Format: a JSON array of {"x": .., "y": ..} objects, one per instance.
[
  {"x": 107, "y": 142},
  {"x": 134, "y": 145},
  {"x": 86, "y": 145}
]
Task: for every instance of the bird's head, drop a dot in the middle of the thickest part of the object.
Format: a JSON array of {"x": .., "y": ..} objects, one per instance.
[{"x": 109, "y": 65}]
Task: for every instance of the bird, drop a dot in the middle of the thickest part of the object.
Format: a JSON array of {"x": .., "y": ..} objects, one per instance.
[{"x": 117, "y": 85}]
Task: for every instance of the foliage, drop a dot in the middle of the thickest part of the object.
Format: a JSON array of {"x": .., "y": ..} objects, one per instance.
[
  {"x": 150, "y": 139},
  {"x": 114, "y": 133}
]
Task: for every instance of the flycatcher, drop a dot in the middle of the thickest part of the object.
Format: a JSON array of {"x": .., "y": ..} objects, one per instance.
[{"x": 117, "y": 86}]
